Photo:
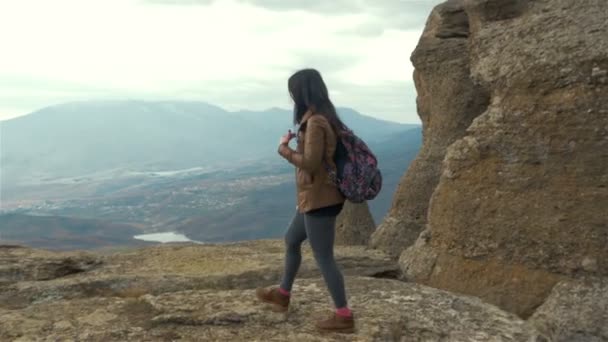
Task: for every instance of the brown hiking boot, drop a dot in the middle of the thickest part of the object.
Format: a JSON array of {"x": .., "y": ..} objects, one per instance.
[
  {"x": 279, "y": 301},
  {"x": 337, "y": 323}
]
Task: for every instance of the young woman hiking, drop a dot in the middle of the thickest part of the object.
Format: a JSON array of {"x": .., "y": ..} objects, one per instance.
[{"x": 318, "y": 199}]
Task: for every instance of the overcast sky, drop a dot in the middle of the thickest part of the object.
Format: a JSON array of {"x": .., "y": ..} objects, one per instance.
[{"x": 236, "y": 54}]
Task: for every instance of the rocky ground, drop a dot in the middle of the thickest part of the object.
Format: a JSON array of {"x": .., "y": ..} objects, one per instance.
[{"x": 206, "y": 293}]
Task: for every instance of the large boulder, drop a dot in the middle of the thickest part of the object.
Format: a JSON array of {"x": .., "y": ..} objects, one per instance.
[
  {"x": 576, "y": 311},
  {"x": 448, "y": 101},
  {"x": 521, "y": 201},
  {"x": 354, "y": 225}
]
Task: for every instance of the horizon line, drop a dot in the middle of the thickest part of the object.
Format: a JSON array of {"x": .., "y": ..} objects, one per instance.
[{"x": 187, "y": 101}]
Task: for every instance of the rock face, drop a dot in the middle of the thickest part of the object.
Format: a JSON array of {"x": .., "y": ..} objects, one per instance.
[
  {"x": 205, "y": 293},
  {"x": 448, "y": 101},
  {"x": 522, "y": 199},
  {"x": 354, "y": 225},
  {"x": 575, "y": 311}
]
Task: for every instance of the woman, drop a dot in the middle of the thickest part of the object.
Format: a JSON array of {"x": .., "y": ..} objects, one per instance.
[{"x": 318, "y": 199}]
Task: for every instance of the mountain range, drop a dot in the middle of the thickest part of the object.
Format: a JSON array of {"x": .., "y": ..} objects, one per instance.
[
  {"x": 82, "y": 138},
  {"x": 164, "y": 166}
]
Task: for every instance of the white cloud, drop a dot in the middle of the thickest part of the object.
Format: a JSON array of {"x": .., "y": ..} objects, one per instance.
[{"x": 224, "y": 53}]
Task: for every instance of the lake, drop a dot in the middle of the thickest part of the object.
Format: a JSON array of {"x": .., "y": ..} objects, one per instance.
[{"x": 164, "y": 237}]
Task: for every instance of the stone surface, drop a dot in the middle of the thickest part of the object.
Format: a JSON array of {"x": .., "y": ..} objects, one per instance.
[
  {"x": 386, "y": 310},
  {"x": 171, "y": 268},
  {"x": 354, "y": 225},
  {"x": 448, "y": 100},
  {"x": 576, "y": 311},
  {"x": 18, "y": 264},
  {"x": 521, "y": 200}
]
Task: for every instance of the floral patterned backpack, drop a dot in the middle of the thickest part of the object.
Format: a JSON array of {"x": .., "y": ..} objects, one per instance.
[{"x": 357, "y": 177}]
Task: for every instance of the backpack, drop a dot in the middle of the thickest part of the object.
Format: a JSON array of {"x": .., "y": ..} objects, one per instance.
[{"x": 357, "y": 177}]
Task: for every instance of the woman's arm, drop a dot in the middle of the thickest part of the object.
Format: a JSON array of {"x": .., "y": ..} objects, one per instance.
[{"x": 314, "y": 148}]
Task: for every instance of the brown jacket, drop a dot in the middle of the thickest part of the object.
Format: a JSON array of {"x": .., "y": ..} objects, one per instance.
[{"x": 316, "y": 146}]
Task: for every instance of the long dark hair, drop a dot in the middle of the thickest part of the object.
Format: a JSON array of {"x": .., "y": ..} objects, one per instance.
[{"x": 309, "y": 92}]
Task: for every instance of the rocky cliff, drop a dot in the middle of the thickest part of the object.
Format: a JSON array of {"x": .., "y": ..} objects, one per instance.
[
  {"x": 354, "y": 225},
  {"x": 448, "y": 101},
  {"x": 517, "y": 91}
]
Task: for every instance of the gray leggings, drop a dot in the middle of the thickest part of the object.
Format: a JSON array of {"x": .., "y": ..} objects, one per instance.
[{"x": 320, "y": 231}]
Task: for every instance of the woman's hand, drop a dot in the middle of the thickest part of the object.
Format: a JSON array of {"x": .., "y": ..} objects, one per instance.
[{"x": 287, "y": 138}]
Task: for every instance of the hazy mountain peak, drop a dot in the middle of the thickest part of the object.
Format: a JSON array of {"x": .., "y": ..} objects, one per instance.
[{"x": 83, "y": 137}]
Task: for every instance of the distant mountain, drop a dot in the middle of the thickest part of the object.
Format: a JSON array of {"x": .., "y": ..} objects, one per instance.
[
  {"x": 83, "y": 138},
  {"x": 71, "y": 172},
  {"x": 54, "y": 232}
]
